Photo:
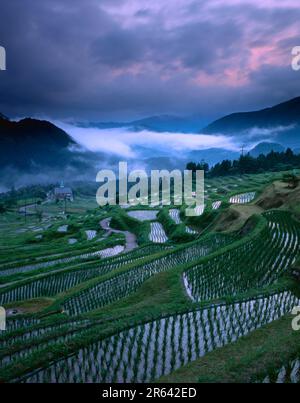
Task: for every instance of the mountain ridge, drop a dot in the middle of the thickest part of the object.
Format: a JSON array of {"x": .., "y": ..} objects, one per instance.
[
  {"x": 158, "y": 123},
  {"x": 283, "y": 119},
  {"x": 290, "y": 107},
  {"x": 32, "y": 142},
  {"x": 265, "y": 148}
]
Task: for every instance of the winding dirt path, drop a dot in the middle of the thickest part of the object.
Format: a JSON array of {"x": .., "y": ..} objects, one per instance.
[{"x": 130, "y": 238}]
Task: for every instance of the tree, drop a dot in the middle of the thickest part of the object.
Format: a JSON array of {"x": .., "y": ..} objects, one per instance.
[
  {"x": 248, "y": 164},
  {"x": 191, "y": 166},
  {"x": 203, "y": 166},
  {"x": 274, "y": 161},
  {"x": 2, "y": 209}
]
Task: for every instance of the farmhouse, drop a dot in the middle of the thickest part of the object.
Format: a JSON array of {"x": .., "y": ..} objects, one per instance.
[{"x": 62, "y": 193}]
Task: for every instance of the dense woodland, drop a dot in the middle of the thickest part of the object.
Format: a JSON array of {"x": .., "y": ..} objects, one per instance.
[{"x": 246, "y": 164}]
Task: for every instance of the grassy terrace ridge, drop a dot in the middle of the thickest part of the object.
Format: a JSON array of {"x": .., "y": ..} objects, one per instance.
[
  {"x": 78, "y": 292},
  {"x": 80, "y": 263},
  {"x": 60, "y": 263},
  {"x": 74, "y": 229},
  {"x": 175, "y": 232},
  {"x": 130, "y": 267},
  {"x": 259, "y": 262},
  {"x": 122, "y": 221},
  {"x": 88, "y": 264},
  {"x": 84, "y": 247},
  {"x": 122, "y": 259}
]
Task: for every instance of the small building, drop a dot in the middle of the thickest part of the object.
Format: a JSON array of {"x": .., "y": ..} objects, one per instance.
[{"x": 63, "y": 193}]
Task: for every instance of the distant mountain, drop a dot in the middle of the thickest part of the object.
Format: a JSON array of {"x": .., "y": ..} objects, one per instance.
[
  {"x": 3, "y": 117},
  {"x": 161, "y": 123},
  {"x": 31, "y": 143},
  {"x": 280, "y": 123},
  {"x": 265, "y": 148},
  {"x": 212, "y": 155},
  {"x": 162, "y": 162},
  {"x": 179, "y": 161}
]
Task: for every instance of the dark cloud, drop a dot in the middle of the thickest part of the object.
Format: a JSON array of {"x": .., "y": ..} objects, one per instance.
[
  {"x": 118, "y": 48},
  {"x": 98, "y": 59}
]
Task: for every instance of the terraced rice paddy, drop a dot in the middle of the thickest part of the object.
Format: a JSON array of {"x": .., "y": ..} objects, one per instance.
[
  {"x": 216, "y": 205},
  {"x": 289, "y": 373},
  {"x": 206, "y": 294},
  {"x": 174, "y": 214},
  {"x": 109, "y": 252},
  {"x": 18, "y": 323},
  {"x": 91, "y": 234},
  {"x": 190, "y": 230},
  {"x": 199, "y": 210},
  {"x": 126, "y": 283},
  {"x": 53, "y": 284},
  {"x": 242, "y": 198},
  {"x": 37, "y": 339},
  {"x": 33, "y": 329},
  {"x": 143, "y": 215},
  {"x": 146, "y": 352},
  {"x": 101, "y": 253},
  {"x": 157, "y": 233},
  {"x": 242, "y": 182},
  {"x": 62, "y": 228},
  {"x": 254, "y": 264}
]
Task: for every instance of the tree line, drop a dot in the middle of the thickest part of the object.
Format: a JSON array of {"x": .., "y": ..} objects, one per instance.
[{"x": 247, "y": 164}]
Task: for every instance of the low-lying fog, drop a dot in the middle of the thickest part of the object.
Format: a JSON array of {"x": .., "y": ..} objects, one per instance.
[{"x": 128, "y": 143}]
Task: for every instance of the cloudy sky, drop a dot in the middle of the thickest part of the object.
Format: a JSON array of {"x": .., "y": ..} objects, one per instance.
[{"x": 125, "y": 59}]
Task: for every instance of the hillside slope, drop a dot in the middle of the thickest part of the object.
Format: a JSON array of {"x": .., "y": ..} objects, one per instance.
[
  {"x": 30, "y": 143},
  {"x": 282, "y": 121}
]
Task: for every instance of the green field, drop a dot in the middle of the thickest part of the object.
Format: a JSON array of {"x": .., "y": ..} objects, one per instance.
[{"x": 193, "y": 299}]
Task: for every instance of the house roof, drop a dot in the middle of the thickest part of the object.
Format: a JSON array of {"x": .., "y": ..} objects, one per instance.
[{"x": 62, "y": 191}]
